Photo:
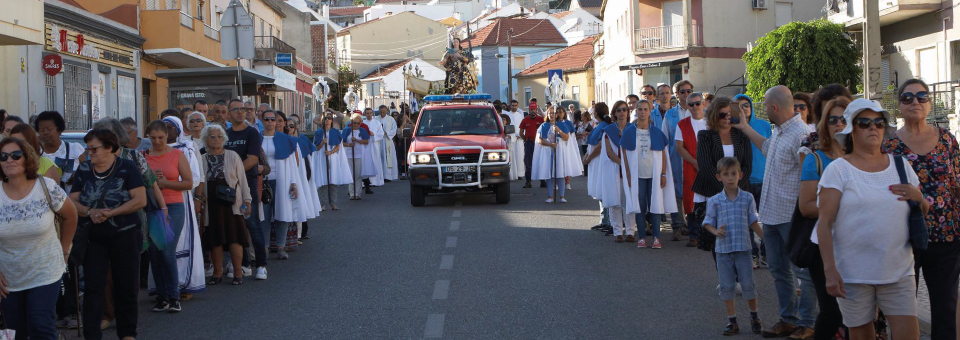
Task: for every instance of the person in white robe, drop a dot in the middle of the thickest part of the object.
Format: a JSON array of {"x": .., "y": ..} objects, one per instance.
[
  {"x": 330, "y": 163},
  {"x": 376, "y": 137},
  {"x": 517, "y": 168},
  {"x": 653, "y": 195},
  {"x": 550, "y": 155},
  {"x": 574, "y": 167},
  {"x": 592, "y": 159},
  {"x": 388, "y": 150},
  {"x": 287, "y": 177},
  {"x": 611, "y": 184},
  {"x": 357, "y": 148}
]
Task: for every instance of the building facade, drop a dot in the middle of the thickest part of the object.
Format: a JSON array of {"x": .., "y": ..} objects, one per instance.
[
  {"x": 399, "y": 36},
  {"x": 575, "y": 61}
]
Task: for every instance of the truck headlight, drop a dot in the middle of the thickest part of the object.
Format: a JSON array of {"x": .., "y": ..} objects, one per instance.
[
  {"x": 496, "y": 156},
  {"x": 423, "y": 159}
]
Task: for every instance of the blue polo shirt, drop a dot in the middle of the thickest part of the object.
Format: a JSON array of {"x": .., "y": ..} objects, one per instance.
[{"x": 759, "y": 161}]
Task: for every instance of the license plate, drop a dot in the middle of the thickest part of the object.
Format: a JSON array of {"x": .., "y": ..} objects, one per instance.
[{"x": 459, "y": 168}]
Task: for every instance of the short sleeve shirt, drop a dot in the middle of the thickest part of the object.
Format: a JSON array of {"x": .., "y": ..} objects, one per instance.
[
  {"x": 30, "y": 253},
  {"x": 109, "y": 190},
  {"x": 245, "y": 143},
  {"x": 737, "y": 215},
  {"x": 809, "y": 171}
]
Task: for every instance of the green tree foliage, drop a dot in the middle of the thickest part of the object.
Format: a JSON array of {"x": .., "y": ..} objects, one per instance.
[{"x": 803, "y": 56}]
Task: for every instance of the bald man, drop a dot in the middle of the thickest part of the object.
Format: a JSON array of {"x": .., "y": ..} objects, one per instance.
[{"x": 781, "y": 187}]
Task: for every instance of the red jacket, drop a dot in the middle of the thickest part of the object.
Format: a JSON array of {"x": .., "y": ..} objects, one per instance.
[{"x": 689, "y": 172}]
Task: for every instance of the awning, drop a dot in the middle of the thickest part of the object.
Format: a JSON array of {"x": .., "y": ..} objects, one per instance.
[
  {"x": 249, "y": 75},
  {"x": 654, "y": 64},
  {"x": 284, "y": 80}
]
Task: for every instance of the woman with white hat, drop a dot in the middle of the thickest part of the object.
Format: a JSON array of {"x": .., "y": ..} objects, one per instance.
[{"x": 863, "y": 229}]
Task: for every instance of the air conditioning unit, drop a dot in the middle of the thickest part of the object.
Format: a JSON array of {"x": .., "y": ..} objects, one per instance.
[{"x": 759, "y": 4}]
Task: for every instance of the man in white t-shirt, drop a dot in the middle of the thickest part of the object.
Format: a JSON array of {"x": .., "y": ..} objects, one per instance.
[
  {"x": 50, "y": 125},
  {"x": 687, "y": 129}
]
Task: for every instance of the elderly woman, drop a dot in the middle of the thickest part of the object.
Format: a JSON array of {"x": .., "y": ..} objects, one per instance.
[
  {"x": 356, "y": 143},
  {"x": 801, "y": 105},
  {"x": 196, "y": 121},
  {"x": 132, "y": 130},
  {"x": 934, "y": 156},
  {"x": 173, "y": 177},
  {"x": 108, "y": 191},
  {"x": 34, "y": 250},
  {"x": 863, "y": 228},
  {"x": 26, "y": 133},
  {"x": 225, "y": 225},
  {"x": 719, "y": 140}
]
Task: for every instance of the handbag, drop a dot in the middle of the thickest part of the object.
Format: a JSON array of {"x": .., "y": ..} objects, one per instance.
[
  {"x": 226, "y": 194},
  {"x": 266, "y": 194},
  {"x": 6, "y": 334},
  {"x": 57, "y": 218},
  {"x": 916, "y": 222},
  {"x": 800, "y": 249}
]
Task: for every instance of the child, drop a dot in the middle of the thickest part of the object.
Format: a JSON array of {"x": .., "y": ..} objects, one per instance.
[{"x": 734, "y": 211}]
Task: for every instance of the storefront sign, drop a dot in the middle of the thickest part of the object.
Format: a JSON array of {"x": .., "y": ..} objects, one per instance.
[
  {"x": 52, "y": 64},
  {"x": 284, "y": 59},
  {"x": 180, "y": 99},
  {"x": 73, "y": 43}
]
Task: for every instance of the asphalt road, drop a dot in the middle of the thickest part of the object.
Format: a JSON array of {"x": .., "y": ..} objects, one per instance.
[{"x": 463, "y": 267}]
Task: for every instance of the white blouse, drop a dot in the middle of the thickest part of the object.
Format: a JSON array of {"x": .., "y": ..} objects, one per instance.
[{"x": 30, "y": 252}]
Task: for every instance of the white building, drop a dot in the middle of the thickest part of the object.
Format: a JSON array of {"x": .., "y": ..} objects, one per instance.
[{"x": 385, "y": 83}]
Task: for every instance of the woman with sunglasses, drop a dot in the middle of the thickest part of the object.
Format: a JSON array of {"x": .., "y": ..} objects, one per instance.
[
  {"x": 686, "y": 140},
  {"x": 108, "y": 192},
  {"x": 280, "y": 151},
  {"x": 801, "y": 105},
  {"x": 934, "y": 156},
  {"x": 815, "y": 158},
  {"x": 863, "y": 230},
  {"x": 26, "y": 133},
  {"x": 611, "y": 182},
  {"x": 196, "y": 121},
  {"x": 717, "y": 141},
  {"x": 34, "y": 255}
]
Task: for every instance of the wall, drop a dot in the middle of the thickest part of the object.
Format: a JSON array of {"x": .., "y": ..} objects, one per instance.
[
  {"x": 720, "y": 31},
  {"x": 401, "y": 36},
  {"x": 21, "y": 22},
  {"x": 921, "y": 32},
  {"x": 259, "y": 11},
  {"x": 583, "y": 79},
  {"x": 432, "y": 12},
  {"x": 296, "y": 30},
  {"x": 617, "y": 41},
  {"x": 162, "y": 30}
]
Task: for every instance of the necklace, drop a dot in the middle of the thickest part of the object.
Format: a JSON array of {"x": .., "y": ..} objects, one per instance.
[{"x": 110, "y": 172}]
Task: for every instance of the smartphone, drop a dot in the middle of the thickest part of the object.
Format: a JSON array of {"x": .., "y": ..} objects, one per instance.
[{"x": 735, "y": 120}]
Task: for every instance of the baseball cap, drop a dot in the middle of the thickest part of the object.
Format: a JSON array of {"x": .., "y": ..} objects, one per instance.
[{"x": 855, "y": 108}]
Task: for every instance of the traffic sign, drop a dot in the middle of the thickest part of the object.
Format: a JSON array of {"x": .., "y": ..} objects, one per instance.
[
  {"x": 236, "y": 33},
  {"x": 550, "y": 74},
  {"x": 284, "y": 59}
]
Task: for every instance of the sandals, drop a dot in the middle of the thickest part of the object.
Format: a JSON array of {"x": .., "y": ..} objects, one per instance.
[
  {"x": 237, "y": 281},
  {"x": 214, "y": 281}
]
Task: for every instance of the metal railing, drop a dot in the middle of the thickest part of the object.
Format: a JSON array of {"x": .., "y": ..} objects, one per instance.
[
  {"x": 211, "y": 32},
  {"x": 665, "y": 37},
  {"x": 186, "y": 20},
  {"x": 267, "y": 47}
]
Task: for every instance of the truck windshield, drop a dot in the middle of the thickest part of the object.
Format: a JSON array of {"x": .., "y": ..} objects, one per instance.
[{"x": 449, "y": 122}]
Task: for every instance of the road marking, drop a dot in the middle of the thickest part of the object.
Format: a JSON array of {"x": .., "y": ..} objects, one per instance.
[
  {"x": 454, "y": 225},
  {"x": 457, "y": 213},
  {"x": 451, "y": 241},
  {"x": 440, "y": 289},
  {"x": 434, "y": 328},
  {"x": 446, "y": 262}
]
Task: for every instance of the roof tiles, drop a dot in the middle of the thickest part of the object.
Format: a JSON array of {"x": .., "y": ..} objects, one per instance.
[
  {"x": 526, "y": 32},
  {"x": 574, "y": 58}
]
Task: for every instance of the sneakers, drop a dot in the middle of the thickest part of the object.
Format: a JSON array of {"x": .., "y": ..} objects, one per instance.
[
  {"x": 161, "y": 306},
  {"x": 174, "y": 307},
  {"x": 656, "y": 243},
  {"x": 550, "y": 200},
  {"x": 597, "y": 227},
  {"x": 756, "y": 262},
  {"x": 568, "y": 186},
  {"x": 692, "y": 244},
  {"x": 756, "y": 326},
  {"x": 209, "y": 269},
  {"x": 247, "y": 271},
  {"x": 779, "y": 330},
  {"x": 282, "y": 255},
  {"x": 801, "y": 333},
  {"x": 563, "y": 200},
  {"x": 731, "y": 329},
  {"x": 642, "y": 243},
  {"x": 261, "y": 273}
]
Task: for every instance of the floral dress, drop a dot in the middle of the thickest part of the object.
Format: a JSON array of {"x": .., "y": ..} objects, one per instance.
[{"x": 938, "y": 171}]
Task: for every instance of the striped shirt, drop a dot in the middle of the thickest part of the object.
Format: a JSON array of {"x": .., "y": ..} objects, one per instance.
[
  {"x": 781, "y": 179},
  {"x": 737, "y": 215}
]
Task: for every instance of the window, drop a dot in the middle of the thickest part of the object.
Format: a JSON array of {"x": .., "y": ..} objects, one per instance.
[
  {"x": 576, "y": 93},
  {"x": 784, "y": 13},
  {"x": 152, "y": 5},
  {"x": 270, "y": 30},
  {"x": 126, "y": 97},
  {"x": 185, "y": 7},
  {"x": 527, "y": 94},
  {"x": 200, "y": 11},
  {"x": 76, "y": 96},
  {"x": 519, "y": 63},
  {"x": 50, "y": 84}
]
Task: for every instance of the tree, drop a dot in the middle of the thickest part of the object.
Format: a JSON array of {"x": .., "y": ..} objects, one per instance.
[{"x": 802, "y": 56}]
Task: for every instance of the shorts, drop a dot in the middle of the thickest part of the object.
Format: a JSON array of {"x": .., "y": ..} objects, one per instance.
[{"x": 859, "y": 308}]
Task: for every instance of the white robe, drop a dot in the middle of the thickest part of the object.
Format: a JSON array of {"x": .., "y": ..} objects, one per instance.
[
  {"x": 608, "y": 173},
  {"x": 375, "y": 147},
  {"x": 662, "y": 200},
  {"x": 517, "y": 168},
  {"x": 339, "y": 168},
  {"x": 573, "y": 165},
  {"x": 593, "y": 173},
  {"x": 543, "y": 159},
  {"x": 286, "y": 172},
  {"x": 388, "y": 151},
  {"x": 365, "y": 153}
]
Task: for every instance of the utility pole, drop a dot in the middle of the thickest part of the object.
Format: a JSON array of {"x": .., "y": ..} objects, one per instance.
[
  {"x": 871, "y": 51},
  {"x": 509, "y": 65}
]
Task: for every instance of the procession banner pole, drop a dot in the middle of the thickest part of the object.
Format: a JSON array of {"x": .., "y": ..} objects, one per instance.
[{"x": 326, "y": 146}]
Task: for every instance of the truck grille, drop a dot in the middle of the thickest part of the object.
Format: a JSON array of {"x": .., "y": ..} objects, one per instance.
[{"x": 459, "y": 158}]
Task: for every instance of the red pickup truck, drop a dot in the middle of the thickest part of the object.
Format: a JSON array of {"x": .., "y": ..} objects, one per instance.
[{"x": 458, "y": 144}]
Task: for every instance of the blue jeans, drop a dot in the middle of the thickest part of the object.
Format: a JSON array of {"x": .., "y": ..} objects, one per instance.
[
  {"x": 32, "y": 312},
  {"x": 732, "y": 268},
  {"x": 163, "y": 263},
  {"x": 755, "y": 189},
  {"x": 560, "y": 187},
  {"x": 268, "y": 224},
  {"x": 527, "y": 158},
  {"x": 646, "y": 190},
  {"x": 784, "y": 279},
  {"x": 253, "y": 226}
]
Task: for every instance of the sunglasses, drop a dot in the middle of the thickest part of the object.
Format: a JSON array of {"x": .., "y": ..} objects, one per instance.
[
  {"x": 685, "y": 91},
  {"x": 16, "y": 155},
  {"x": 833, "y": 120},
  {"x": 693, "y": 104},
  {"x": 647, "y": 93},
  {"x": 722, "y": 115},
  {"x": 864, "y": 123},
  {"x": 800, "y": 107},
  {"x": 622, "y": 109},
  {"x": 907, "y": 97},
  {"x": 268, "y": 119}
]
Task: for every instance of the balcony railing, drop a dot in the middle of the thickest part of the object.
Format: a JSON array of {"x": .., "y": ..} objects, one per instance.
[
  {"x": 186, "y": 20},
  {"x": 665, "y": 37},
  {"x": 267, "y": 47},
  {"x": 211, "y": 32}
]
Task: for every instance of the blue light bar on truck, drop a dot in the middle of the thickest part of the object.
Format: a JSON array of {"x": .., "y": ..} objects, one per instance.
[{"x": 457, "y": 97}]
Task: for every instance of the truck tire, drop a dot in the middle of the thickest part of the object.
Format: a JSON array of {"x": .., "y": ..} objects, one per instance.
[
  {"x": 503, "y": 193},
  {"x": 417, "y": 197}
]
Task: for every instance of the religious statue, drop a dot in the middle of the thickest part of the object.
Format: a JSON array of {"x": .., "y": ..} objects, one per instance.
[
  {"x": 351, "y": 99},
  {"x": 459, "y": 65},
  {"x": 556, "y": 89},
  {"x": 321, "y": 90}
]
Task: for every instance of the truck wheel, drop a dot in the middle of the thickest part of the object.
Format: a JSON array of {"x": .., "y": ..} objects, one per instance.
[
  {"x": 417, "y": 197},
  {"x": 503, "y": 193}
]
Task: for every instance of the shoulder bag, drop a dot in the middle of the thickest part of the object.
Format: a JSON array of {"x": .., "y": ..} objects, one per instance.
[
  {"x": 919, "y": 235},
  {"x": 801, "y": 250},
  {"x": 57, "y": 218},
  {"x": 223, "y": 193}
]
